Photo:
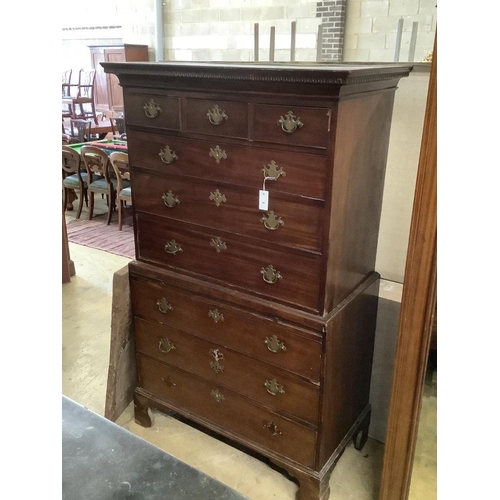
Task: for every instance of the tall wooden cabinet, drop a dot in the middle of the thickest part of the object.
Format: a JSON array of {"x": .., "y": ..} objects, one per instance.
[
  {"x": 255, "y": 320},
  {"x": 108, "y": 93}
]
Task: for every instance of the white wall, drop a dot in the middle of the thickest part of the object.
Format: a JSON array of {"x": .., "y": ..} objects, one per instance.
[{"x": 371, "y": 27}]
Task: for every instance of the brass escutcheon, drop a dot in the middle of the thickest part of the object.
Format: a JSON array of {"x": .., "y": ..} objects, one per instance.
[
  {"x": 217, "y": 395},
  {"x": 216, "y": 115},
  {"x": 274, "y": 344},
  {"x": 218, "y": 244},
  {"x": 167, "y": 155},
  {"x": 152, "y": 109},
  {"x": 270, "y": 275},
  {"x": 164, "y": 306},
  {"x": 271, "y": 221},
  {"x": 218, "y": 154},
  {"x": 172, "y": 247},
  {"x": 272, "y": 428},
  {"x": 165, "y": 345},
  {"x": 216, "y": 315},
  {"x": 218, "y": 356},
  {"x": 169, "y": 199},
  {"x": 272, "y": 171},
  {"x": 218, "y": 197},
  {"x": 290, "y": 123},
  {"x": 273, "y": 388}
]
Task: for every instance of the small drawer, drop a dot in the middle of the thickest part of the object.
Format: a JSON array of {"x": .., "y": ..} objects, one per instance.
[
  {"x": 274, "y": 388},
  {"x": 152, "y": 111},
  {"x": 227, "y": 411},
  {"x": 217, "y": 117},
  {"x": 268, "y": 339},
  {"x": 295, "y": 173},
  {"x": 289, "y": 220},
  {"x": 291, "y": 125},
  {"x": 291, "y": 278}
]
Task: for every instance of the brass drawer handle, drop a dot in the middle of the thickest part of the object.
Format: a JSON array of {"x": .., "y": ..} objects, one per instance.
[
  {"x": 152, "y": 109},
  {"x": 218, "y": 197},
  {"x": 217, "y": 154},
  {"x": 164, "y": 306},
  {"x": 290, "y": 123},
  {"x": 216, "y": 315},
  {"x": 216, "y": 115},
  {"x": 168, "y": 381},
  {"x": 273, "y": 388},
  {"x": 272, "y": 428},
  {"x": 270, "y": 275},
  {"x": 165, "y": 345},
  {"x": 271, "y": 221},
  {"x": 172, "y": 247},
  {"x": 217, "y": 395},
  {"x": 274, "y": 344},
  {"x": 167, "y": 155},
  {"x": 272, "y": 171},
  {"x": 218, "y": 244},
  {"x": 218, "y": 356},
  {"x": 169, "y": 199}
]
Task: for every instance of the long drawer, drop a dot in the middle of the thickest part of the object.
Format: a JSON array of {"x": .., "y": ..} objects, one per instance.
[
  {"x": 291, "y": 278},
  {"x": 288, "y": 221},
  {"x": 267, "y": 384},
  {"x": 296, "y": 173},
  {"x": 269, "y": 339},
  {"x": 227, "y": 411}
]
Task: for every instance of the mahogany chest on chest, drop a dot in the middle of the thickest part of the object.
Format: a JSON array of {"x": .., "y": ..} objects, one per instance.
[{"x": 257, "y": 194}]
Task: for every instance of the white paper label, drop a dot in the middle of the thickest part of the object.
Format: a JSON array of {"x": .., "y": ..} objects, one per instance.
[{"x": 263, "y": 199}]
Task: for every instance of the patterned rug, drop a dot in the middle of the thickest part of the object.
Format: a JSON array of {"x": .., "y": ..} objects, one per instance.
[{"x": 97, "y": 234}]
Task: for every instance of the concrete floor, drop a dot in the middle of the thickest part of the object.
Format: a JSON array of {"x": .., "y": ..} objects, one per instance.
[{"x": 85, "y": 354}]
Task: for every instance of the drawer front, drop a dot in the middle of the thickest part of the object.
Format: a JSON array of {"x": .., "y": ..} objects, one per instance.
[
  {"x": 277, "y": 390},
  {"x": 301, "y": 174},
  {"x": 153, "y": 111},
  {"x": 267, "y": 339},
  {"x": 227, "y": 411},
  {"x": 288, "y": 221},
  {"x": 292, "y": 125},
  {"x": 217, "y": 117},
  {"x": 284, "y": 277}
]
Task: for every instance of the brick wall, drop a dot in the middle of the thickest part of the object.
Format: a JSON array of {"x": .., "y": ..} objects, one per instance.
[{"x": 332, "y": 15}]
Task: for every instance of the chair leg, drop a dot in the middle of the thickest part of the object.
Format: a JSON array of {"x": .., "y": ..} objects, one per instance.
[
  {"x": 65, "y": 199},
  {"x": 120, "y": 214},
  {"x": 86, "y": 198},
  {"x": 111, "y": 204},
  {"x": 91, "y": 205},
  {"x": 80, "y": 204}
]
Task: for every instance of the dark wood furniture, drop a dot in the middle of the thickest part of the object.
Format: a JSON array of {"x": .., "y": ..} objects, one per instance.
[
  {"x": 109, "y": 95},
  {"x": 259, "y": 324}
]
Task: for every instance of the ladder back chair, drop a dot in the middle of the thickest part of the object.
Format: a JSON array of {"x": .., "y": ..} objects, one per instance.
[{"x": 79, "y": 105}]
